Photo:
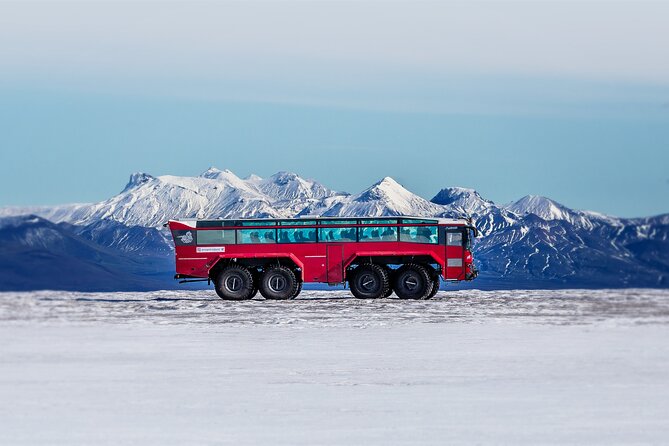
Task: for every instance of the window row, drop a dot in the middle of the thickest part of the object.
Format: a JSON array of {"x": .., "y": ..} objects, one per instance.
[
  {"x": 300, "y": 222},
  {"x": 415, "y": 234}
]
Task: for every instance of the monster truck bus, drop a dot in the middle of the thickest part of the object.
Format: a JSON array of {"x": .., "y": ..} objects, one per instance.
[{"x": 375, "y": 256}]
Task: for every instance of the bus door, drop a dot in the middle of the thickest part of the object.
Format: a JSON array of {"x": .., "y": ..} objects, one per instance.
[
  {"x": 454, "y": 239},
  {"x": 335, "y": 263}
]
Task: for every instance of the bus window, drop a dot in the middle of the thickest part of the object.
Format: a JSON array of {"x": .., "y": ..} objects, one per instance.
[
  {"x": 469, "y": 236},
  {"x": 298, "y": 223},
  {"x": 454, "y": 238},
  {"x": 211, "y": 224},
  {"x": 297, "y": 235},
  {"x": 336, "y": 234},
  {"x": 338, "y": 222},
  {"x": 378, "y": 234},
  {"x": 419, "y": 234},
  {"x": 417, "y": 221},
  {"x": 378, "y": 221},
  {"x": 256, "y": 223},
  {"x": 255, "y": 236},
  {"x": 213, "y": 237}
]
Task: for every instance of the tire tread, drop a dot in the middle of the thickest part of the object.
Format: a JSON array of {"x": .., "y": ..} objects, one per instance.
[
  {"x": 291, "y": 290},
  {"x": 249, "y": 285},
  {"x": 425, "y": 275}
]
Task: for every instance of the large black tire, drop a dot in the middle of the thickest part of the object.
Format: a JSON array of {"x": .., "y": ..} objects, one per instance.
[
  {"x": 299, "y": 289},
  {"x": 254, "y": 290},
  {"x": 256, "y": 282},
  {"x": 436, "y": 283},
  {"x": 413, "y": 282},
  {"x": 390, "y": 283},
  {"x": 436, "y": 280},
  {"x": 370, "y": 281},
  {"x": 234, "y": 282},
  {"x": 278, "y": 283}
]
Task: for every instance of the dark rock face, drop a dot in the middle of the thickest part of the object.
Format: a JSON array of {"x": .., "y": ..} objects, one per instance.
[
  {"x": 38, "y": 254},
  {"x": 559, "y": 253}
]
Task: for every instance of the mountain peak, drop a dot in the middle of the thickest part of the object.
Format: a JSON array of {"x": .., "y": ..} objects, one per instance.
[
  {"x": 214, "y": 173},
  {"x": 386, "y": 188},
  {"x": 388, "y": 185},
  {"x": 284, "y": 177},
  {"x": 449, "y": 195},
  {"x": 388, "y": 181},
  {"x": 253, "y": 178},
  {"x": 540, "y": 206},
  {"x": 290, "y": 186},
  {"x": 385, "y": 197},
  {"x": 137, "y": 179},
  {"x": 467, "y": 199},
  {"x": 22, "y": 220}
]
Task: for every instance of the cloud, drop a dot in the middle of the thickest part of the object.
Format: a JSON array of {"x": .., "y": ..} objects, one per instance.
[{"x": 336, "y": 41}]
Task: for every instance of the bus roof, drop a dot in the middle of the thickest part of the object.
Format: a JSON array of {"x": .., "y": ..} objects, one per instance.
[{"x": 400, "y": 219}]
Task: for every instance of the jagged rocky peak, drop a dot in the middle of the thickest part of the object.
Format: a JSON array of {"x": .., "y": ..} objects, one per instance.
[
  {"x": 388, "y": 183},
  {"x": 386, "y": 188},
  {"x": 449, "y": 195},
  {"x": 137, "y": 179},
  {"x": 385, "y": 197},
  {"x": 540, "y": 206},
  {"x": 290, "y": 186},
  {"x": 253, "y": 178},
  {"x": 214, "y": 173},
  {"x": 226, "y": 178},
  {"x": 284, "y": 177},
  {"x": 467, "y": 199},
  {"x": 21, "y": 220}
]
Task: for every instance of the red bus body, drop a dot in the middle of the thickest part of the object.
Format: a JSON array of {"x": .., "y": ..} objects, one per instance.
[{"x": 324, "y": 258}]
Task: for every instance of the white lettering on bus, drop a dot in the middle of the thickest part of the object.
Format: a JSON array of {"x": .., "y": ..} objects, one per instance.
[{"x": 210, "y": 249}]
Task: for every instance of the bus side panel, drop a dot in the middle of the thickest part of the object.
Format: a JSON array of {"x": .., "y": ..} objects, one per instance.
[
  {"x": 455, "y": 255},
  {"x": 312, "y": 256},
  {"x": 335, "y": 263}
]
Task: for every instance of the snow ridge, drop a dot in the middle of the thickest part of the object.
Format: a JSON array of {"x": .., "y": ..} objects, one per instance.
[{"x": 532, "y": 239}]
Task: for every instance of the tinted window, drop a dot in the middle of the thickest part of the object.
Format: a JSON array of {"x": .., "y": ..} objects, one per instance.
[
  {"x": 339, "y": 222},
  {"x": 469, "y": 236},
  {"x": 336, "y": 234},
  {"x": 225, "y": 237},
  {"x": 297, "y": 235},
  {"x": 257, "y": 223},
  {"x": 378, "y": 221},
  {"x": 298, "y": 223},
  {"x": 454, "y": 238},
  {"x": 419, "y": 234},
  {"x": 209, "y": 223},
  {"x": 256, "y": 236},
  {"x": 378, "y": 234},
  {"x": 417, "y": 221},
  {"x": 183, "y": 237}
]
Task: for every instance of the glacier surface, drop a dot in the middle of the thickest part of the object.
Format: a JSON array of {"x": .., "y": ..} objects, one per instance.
[{"x": 505, "y": 367}]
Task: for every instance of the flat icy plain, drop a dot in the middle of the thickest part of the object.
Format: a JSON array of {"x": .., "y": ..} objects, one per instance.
[{"x": 502, "y": 367}]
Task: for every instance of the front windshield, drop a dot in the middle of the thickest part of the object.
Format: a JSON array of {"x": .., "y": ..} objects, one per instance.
[{"x": 467, "y": 239}]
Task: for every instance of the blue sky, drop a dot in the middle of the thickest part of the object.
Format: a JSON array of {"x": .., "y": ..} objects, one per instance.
[{"x": 568, "y": 100}]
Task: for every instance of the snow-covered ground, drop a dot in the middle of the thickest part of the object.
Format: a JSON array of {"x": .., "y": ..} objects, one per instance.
[{"x": 511, "y": 367}]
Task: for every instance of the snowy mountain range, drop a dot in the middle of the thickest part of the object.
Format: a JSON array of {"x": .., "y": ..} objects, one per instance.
[{"x": 532, "y": 243}]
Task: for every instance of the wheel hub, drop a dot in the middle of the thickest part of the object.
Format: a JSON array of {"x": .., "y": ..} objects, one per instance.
[
  {"x": 233, "y": 283},
  {"x": 277, "y": 283},
  {"x": 411, "y": 283},
  {"x": 368, "y": 282}
]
